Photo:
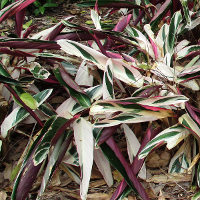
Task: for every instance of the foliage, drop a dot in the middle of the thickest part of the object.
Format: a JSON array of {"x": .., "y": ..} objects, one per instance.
[
  {"x": 41, "y": 7},
  {"x": 5, "y": 2},
  {"x": 136, "y": 72}
]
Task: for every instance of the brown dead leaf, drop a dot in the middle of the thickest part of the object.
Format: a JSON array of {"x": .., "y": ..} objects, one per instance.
[
  {"x": 131, "y": 198},
  {"x": 161, "y": 196},
  {"x": 150, "y": 193},
  {"x": 10, "y": 22},
  {"x": 99, "y": 196},
  {"x": 7, "y": 171},
  {"x": 56, "y": 179},
  {"x": 158, "y": 159},
  {"x": 117, "y": 176},
  {"x": 96, "y": 174},
  {"x": 3, "y": 195},
  {"x": 97, "y": 183},
  {"x": 69, "y": 192},
  {"x": 170, "y": 178}
]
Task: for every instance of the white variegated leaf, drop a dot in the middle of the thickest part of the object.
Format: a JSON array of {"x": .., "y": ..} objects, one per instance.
[
  {"x": 103, "y": 166},
  {"x": 85, "y": 145},
  {"x": 189, "y": 123},
  {"x": 108, "y": 91},
  {"x": 142, "y": 42},
  {"x": 182, "y": 159},
  {"x": 51, "y": 162},
  {"x": 133, "y": 146},
  {"x": 187, "y": 50},
  {"x": 96, "y": 19},
  {"x": 19, "y": 113},
  {"x": 121, "y": 70},
  {"x": 83, "y": 76},
  {"x": 144, "y": 116},
  {"x": 172, "y": 136}
]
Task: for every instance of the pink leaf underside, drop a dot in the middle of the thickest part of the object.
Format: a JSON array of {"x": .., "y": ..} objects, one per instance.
[
  {"x": 155, "y": 49},
  {"x": 122, "y": 24}
]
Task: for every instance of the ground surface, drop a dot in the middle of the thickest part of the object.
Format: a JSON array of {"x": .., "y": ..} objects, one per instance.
[{"x": 159, "y": 184}]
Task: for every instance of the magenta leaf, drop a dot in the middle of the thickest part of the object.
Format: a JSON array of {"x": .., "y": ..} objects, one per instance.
[{"x": 14, "y": 8}]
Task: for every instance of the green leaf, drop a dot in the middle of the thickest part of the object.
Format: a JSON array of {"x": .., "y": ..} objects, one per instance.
[
  {"x": 42, "y": 9},
  {"x": 3, "y": 3},
  {"x": 3, "y": 72},
  {"x": 27, "y": 24},
  {"x": 50, "y": 5},
  {"x": 196, "y": 196},
  {"x": 29, "y": 100}
]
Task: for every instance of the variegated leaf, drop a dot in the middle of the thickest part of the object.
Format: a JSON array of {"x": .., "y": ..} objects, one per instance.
[
  {"x": 135, "y": 104},
  {"x": 85, "y": 52},
  {"x": 172, "y": 136},
  {"x": 189, "y": 74},
  {"x": 133, "y": 146},
  {"x": 95, "y": 93},
  {"x": 160, "y": 14},
  {"x": 96, "y": 19},
  {"x": 157, "y": 48},
  {"x": 44, "y": 146},
  {"x": 85, "y": 145},
  {"x": 142, "y": 41},
  {"x": 163, "y": 70},
  {"x": 38, "y": 71},
  {"x": 50, "y": 166},
  {"x": 143, "y": 116},
  {"x": 187, "y": 50},
  {"x": 161, "y": 38},
  {"x": 174, "y": 24},
  {"x": 83, "y": 76},
  {"x": 103, "y": 166},
  {"x": 182, "y": 159},
  {"x": 189, "y": 123},
  {"x": 14, "y": 8},
  {"x": 19, "y": 114},
  {"x": 186, "y": 12},
  {"x": 73, "y": 88},
  {"x": 121, "y": 70},
  {"x": 71, "y": 156},
  {"x": 108, "y": 91}
]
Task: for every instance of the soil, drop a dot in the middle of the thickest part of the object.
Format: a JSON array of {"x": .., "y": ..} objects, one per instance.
[{"x": 62, "y": 187}]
